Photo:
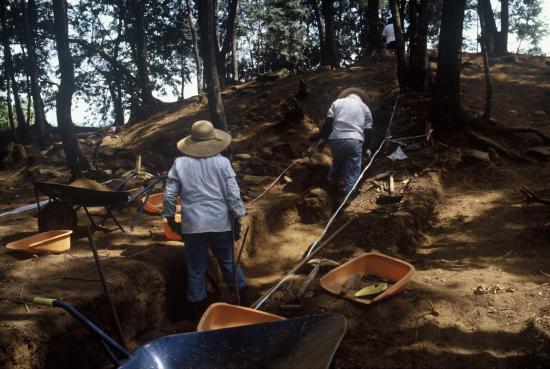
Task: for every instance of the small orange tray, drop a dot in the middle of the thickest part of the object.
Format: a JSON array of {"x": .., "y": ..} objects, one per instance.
[
  {"x": 54, "y": 242},
  {"x": 153, "y": 205},
  {"x": 221, "y": 315},
  {"x": 372, "y": 263}
]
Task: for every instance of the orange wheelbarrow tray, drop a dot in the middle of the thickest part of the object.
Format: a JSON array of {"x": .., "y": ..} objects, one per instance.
[
  {"x": 153, "y": 204},
  {"x": 397, "y": 271},
  {"x": 221, "y": 315},
  {"x": 54, "y": 242}
]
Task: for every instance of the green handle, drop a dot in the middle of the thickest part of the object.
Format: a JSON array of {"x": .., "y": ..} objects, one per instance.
[{"x": 43, "y": 301}]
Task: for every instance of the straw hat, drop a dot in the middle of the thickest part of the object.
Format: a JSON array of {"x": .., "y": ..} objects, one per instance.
[
  {"x": 204, "y": 140},
  {"x": 354, "y": 90}
]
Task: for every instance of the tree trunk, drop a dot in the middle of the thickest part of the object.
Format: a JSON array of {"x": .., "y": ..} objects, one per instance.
[
  {"x": 75, "y": 159},
  {"x": 330, "y": 41},
  {"x": 402, "y": 67},
  {"x": 146, "y": 89},
  {"x": 235, "y": 58},
  {"x": 490, "y": 25},
  {"x": 374, "y": 33},
  {"x": 501, "y": 40},
  {"x": 115, "y": 88},
  {"x": 321, "y": 29},
  {"x": 29, "y": 19},
  {"x": 208, "y": 46},
  {"x": 196, "y": 54},
  {"x": 486, "y": 70},
  {"x": 446, "y": 112},
  {"x": 22, "y": 129},
  {"x": 418, "y": 47},
  {"x": 227, "y": 39},
  {"x": 10, "y": 108}
]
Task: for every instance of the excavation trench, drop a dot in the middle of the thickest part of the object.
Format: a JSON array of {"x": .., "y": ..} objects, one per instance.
[{"x": 146, "y": 274}]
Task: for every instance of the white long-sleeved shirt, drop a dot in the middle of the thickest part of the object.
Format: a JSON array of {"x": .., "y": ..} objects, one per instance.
[
  {"x": 350, "y": 118},
  {"x": 389, "y": 33},
  {"x": 209, "y": 194}
]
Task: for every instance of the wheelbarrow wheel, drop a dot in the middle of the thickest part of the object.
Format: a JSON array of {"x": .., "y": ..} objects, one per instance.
[{"x": 57, "y": 215}]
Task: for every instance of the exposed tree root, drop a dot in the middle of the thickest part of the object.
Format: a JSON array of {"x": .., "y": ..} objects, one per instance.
[
  {"x": 535, "y": 131},
  {"x": 529, "y": 195},
  {"x": 498, "y": 147}
]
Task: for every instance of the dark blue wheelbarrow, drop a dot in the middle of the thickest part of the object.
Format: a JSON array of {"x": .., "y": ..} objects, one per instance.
[{"x": 306, "y": 342}]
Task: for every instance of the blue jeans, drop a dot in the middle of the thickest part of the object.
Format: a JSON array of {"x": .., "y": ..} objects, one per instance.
[
  {"x": 346, "y": 161},
  {"x": 196, "y": 261}
]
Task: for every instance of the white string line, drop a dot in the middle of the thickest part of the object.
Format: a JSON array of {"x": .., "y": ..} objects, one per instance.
[{"x": 314, "y": 245}]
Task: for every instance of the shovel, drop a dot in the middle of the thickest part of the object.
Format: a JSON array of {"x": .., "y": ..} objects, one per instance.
[{"x": 297, "y": 303}]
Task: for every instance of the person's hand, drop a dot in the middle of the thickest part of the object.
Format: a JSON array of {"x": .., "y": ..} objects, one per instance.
[
  {"x": 236, "y": 229},
  {"x": 174, "y": 226}
]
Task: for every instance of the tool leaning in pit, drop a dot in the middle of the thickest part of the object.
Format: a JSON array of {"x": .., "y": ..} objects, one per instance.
[{"x": 297, "y": 302}]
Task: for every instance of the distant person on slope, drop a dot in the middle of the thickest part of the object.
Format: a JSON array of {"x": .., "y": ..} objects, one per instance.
[
  {"x": 210, "y": 200},
  {"x": 347, "y": 128},
  {"x": 389, "y": 35}
]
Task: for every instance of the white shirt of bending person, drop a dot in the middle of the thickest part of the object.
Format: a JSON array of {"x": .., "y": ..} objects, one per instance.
[
  {"x": 351, "y": 117},
  {"x": 389, "y": 33}
]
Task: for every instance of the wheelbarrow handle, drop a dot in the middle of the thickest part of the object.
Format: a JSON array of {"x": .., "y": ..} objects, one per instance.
[{"x": 108, "y": 343}]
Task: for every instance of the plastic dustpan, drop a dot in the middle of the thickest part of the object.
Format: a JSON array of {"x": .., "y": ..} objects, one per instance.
[
  {"x": 54, "y": 242},
  {"x": 153, "y": 205},
  {"x": 398, "y": 272},
  {"x": 171, "y": 235},
  {"x": 222, "y": 315}
]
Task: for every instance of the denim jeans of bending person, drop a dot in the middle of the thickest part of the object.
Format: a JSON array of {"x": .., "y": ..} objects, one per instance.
[
  {"x": 196, "y": 261},
  {"x": 346, "y": 161}
]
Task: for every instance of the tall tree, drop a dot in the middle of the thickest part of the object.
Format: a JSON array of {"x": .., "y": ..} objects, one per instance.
[
  {"x": 22, "y": 130},
  {"x": 11, "y": 121},
  {"x": 196, "y": 53},
  {"x": 29, "y": 21},
  {"x": 374, "y": 33},
  {"x": 327, "y": 7},
  {"x": 221, "y": 56},
  {"x": 446, "y": 112},
  {"x": 496, "y": 41},
  {"x": 321, "y": 30},
  {"x": 418, "y": 45},
  {"x": 483, "y": 40},
  {"x": 140, "y": 56},
  {"x": 75, "y": 158},
  {"x": 207, "y": 27},
  {"x": 402, "y": 66}
]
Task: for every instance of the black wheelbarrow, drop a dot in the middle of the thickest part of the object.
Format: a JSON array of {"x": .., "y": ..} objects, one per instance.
[
  {"x": 64, "y": 201},
  {"x": 305, "y": 342}
]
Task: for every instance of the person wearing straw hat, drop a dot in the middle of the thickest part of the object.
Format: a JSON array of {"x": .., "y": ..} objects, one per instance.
[
  {"x": 210, "y": 199},
  {"x": 347, "y": 128}
]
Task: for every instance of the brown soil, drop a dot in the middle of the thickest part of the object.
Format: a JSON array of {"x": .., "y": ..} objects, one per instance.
[{"x": 463, "y": 224}]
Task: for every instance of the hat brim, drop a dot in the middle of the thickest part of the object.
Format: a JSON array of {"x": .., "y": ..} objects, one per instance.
[
  {"x": 354, "y": 90},
  {"x": 205, "y": 148}
]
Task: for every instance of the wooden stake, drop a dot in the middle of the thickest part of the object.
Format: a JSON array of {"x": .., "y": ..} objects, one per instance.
[{"x": 138, "y": 164}]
